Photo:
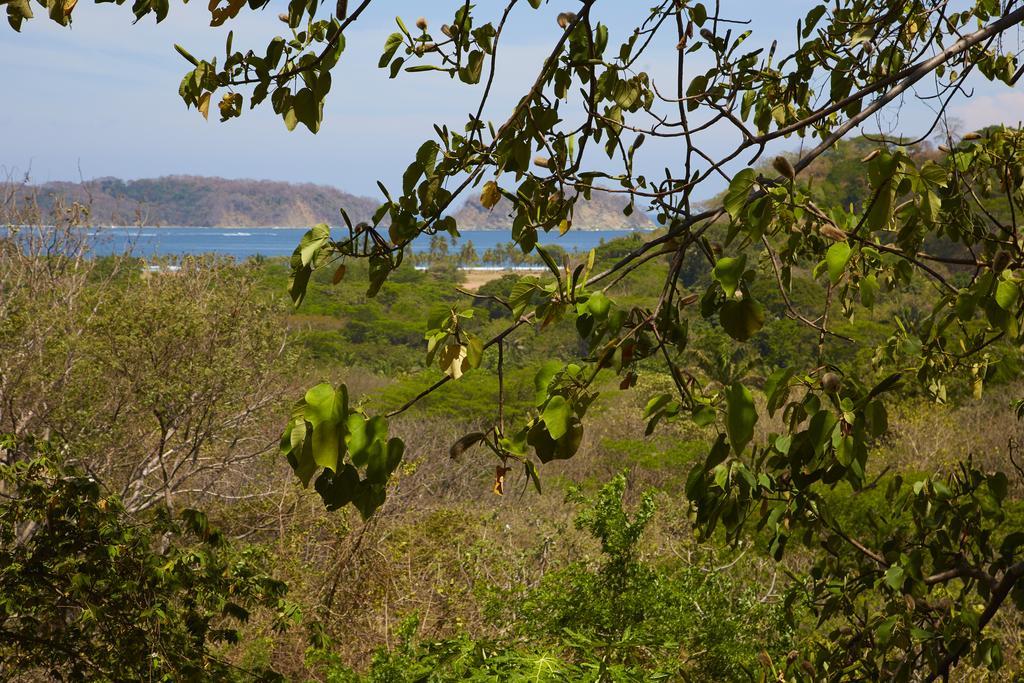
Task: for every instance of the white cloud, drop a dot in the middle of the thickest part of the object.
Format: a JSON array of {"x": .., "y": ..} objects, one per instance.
[{"x": 986, "y": 110}]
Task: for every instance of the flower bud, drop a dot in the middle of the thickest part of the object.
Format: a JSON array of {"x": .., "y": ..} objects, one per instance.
[
  {"x": 784, "y": 167},
  {"x": 833, "y": 233}
]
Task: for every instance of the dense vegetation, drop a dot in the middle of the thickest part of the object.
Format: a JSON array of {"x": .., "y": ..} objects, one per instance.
[
  {"x": 841, "y": 520},
  {"x": 598, "y": 576}
]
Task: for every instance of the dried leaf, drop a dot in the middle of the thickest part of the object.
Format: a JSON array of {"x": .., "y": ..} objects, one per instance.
[
  {"x": 490, "y": 195},
  {"x": 499, "y": 479},
  {"x": 204, "y": 105}
]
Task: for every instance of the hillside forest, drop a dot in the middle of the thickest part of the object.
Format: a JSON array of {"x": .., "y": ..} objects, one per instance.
[{"x": 157, "y": 527}]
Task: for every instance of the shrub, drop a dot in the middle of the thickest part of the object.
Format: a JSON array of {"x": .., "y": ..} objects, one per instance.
[{"x": 89, "y": 592}]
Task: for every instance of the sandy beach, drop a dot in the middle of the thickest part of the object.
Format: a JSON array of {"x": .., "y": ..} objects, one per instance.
[{"x": 475, "y": 278}]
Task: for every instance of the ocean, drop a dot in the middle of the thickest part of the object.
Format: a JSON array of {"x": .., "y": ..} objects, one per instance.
[{"x": 242, "y": 243}]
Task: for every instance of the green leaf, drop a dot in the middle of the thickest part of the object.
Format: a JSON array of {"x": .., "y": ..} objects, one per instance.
[
  {"x": 894, "y": 577},
  {"x": 656, "y": 404},
  {"x": 312, "y": 242},
  {"x": 820, "y": 430},
  {"x": 337, "y": 489},
  {"x": 470, "y": 73},
  {"x": 299, "y": 450},
  {"x": 699, "y": 14},
  {"x": 741, "y": 319},
  {"x": 881, "y": 211},
  {"x": 304, "y": 259},
  {"x": 531, "y": 471},
  {"x": 364, "y": 437},
  {"x": 598, "y": 305},
  {"x": 837, "y": 256},
  {"x": 521, "y": 295},
  {"x": 326, "y": 411},
  {"x": 291, "y": 118},
  {"x": 325, "y": 404},
  {"x": 885, "y": 385},
  {"x": 549, "y": 449},
  {"x": 298, "y": 281},
  {"x": 185, "y": 53},
  {"x": 382, "y": 457},
  {"x": 704, "y": 416},
  {"x": 543, "y": 378},
  {"x": 741, "y": 416},
  {"x": 368, "y": 497},
  {"x": 812, "y": 19},
  {"x": 776, "y": 388},
  {"x": 728, "y": 271},
  {"x": 391, "y": 45},
  {"x": 718, "y": 453},
  {"x": 380, "y": 267},
  {"x": 474, "y": 350},
  {"x": 739, "y": 191},
  {"x": 1006, "y": 294},
  {"x": 868, "y": 290},
  {"x": 556, "y": 416},
  {"x": 549, "y": 262}
]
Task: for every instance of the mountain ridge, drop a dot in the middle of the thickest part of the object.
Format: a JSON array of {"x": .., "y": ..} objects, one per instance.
[
  {"x": 602, "y": 212},
  {"x": 207, "y": 201},
  {"x": 210, "y": 201}
]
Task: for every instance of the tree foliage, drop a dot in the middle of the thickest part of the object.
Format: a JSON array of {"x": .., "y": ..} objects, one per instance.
[
  {"x": 918, "y": 595},
  {"x": 88, "y": 592}
]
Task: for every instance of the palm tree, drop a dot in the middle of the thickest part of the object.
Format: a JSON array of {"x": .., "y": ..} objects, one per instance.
[{"x": 468, "y": 255}]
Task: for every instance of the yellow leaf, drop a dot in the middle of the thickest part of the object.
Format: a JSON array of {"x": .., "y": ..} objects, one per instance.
[
  {"x": 204, "y": 105},
  {"x": 450, "y": 359},
  {"x": 490, "y": 195},
  {"x": 68, "y": 6}
]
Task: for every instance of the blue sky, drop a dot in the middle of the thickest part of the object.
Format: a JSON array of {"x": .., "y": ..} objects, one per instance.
[{"x": 102, "y": 95}]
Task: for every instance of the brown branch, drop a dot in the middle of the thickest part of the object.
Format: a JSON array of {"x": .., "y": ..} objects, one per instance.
[
  {"x": 332, "y": 42},
  {"x": 789, "y": 304}
]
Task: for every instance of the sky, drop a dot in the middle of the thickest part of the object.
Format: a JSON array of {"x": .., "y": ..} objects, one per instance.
[{"x": 100, "y": 98}]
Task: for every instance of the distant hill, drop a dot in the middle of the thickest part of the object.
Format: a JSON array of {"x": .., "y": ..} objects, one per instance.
[
  {"x": 602, "y": 212},
  {"x": 219, "y": 202},
  {"x": 214, "y": 202}
]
